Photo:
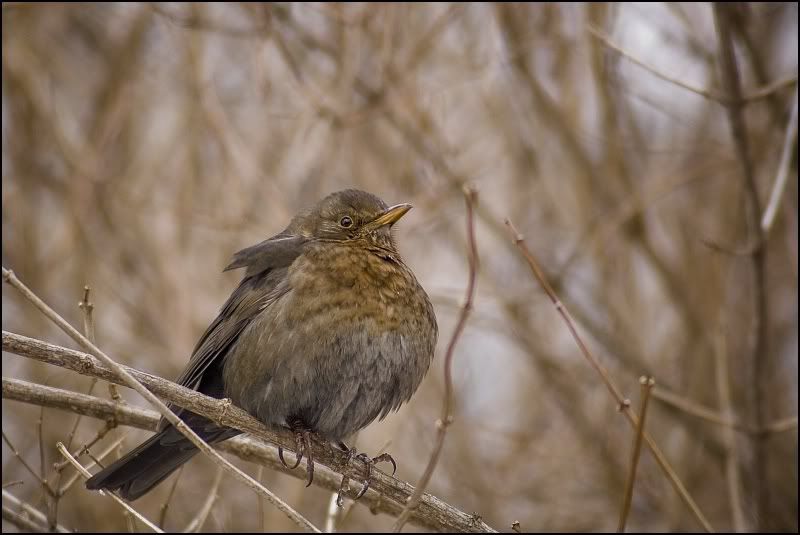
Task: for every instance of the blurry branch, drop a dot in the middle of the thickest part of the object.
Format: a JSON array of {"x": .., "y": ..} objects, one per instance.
[
  {"x": 22, "y": 521},
  {"x": 85, "y": 473},
  {"x": 756, "y": 94},
  {"x": 700, "y": 411},
  {"x": 732, "y": 476},
  {"x": 196, "y": 524},
  {"x": 555, "y": 118},
  {"x": 705, "y": 93},
  {"x": 471, "y": 197},
  {"x": 129, "y": 380},
  {"x": 760, "y": 351},
  {"x": 723, "y": 419},
  {"x": 388, "y": 493},
  {"x": 192, "y": 22},
  {"x": 9, "y": 501},
  {"x": 164, "y": 507},
  {"x": 647, "y": 384},
  {"x": 789, "y": 147},
  {"x": 622, "y": 403},
  {"x": 781, "y": 426},
  {"x": 769, "y": 89}
]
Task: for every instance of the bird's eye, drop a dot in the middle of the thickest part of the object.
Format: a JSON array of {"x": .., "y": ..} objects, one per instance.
[{"x": 346, "y": 222}]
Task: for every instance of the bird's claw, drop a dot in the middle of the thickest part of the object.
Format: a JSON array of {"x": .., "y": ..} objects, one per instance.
[
  {"x": 351, "y": 452},
  {"x": 302, "y": 440}
]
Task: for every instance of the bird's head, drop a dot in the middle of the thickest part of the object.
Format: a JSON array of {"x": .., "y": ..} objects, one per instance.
[{"x": 352, "y": 216}]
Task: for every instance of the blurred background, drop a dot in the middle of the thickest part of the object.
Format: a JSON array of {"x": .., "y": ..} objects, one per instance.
[{"x": 143, "y": 144}]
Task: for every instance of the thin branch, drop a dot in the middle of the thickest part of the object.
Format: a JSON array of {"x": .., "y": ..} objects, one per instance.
[
  {"x": 129, "y": 380},
  {"x": 622, "y": 403},
  {"x": 732, "y": 475},
  {"x": 647, "y": 384},
  {"x": 771, "y": 88},
  {"x": 196, "y": 524},
  {"x": 471, "y": 197},
  {"x": 705, "y": 93},
  {"x": 105, "y": 453},
  {"x": 162, "y": 510},
  {"x": 700, "y": 411},
  {"x": 781, "y": 426},
  {"x": 85, "y": 473},
  {"x": 35, "y": 514},
  {"x": 789, "y": 146},
  {"x": 22, "y": 522},
  {"x": 389, "y": 493},
  {"x": 48, "y": 490}
]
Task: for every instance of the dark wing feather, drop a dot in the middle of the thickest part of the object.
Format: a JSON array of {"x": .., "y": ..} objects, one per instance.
[{"x": 278, "y": 251}]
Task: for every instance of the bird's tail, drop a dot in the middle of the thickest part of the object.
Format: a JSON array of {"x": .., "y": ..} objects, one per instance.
[
  {"x": 144, "y": 467},
  {"x": 154, "y": 460}
]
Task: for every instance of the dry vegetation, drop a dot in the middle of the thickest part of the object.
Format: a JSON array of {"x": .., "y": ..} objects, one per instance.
[{"x": 143, "y": 144}]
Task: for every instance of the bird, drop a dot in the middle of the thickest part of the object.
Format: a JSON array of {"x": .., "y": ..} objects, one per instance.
[{"x": 327, "y": 331}]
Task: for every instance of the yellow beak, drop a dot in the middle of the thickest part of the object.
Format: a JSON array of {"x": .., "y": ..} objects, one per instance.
[{"x": 391, "y": 215}]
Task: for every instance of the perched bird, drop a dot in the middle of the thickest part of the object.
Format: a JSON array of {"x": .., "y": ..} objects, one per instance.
[{"x": 327, "y": 331}]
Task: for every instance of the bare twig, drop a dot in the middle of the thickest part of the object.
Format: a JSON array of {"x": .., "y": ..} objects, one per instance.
[
  {"x": 699, "y": 411},
  {"x": 446, "y": 419},
  {"x": 196, "y": 524},
  {"x": 622, "y": 403},
  {"x": 705, "y": 93},
  {"x": 162, "y": 510},
  {"x": 732, "y": 476},
  {"x": 771, "y": 88},
  {"x": 129, "y": 380},
  {"x": 647, "y": 384},
  {"x": 11, "y": 500},
  {"x": 85, "y": 473},
  {"x": 48, "y": 490},
  {"x": 22, "y": 521},
  {"x": 87, "y": 308},
  {"x": 389, "y": 493},
  {"x": 781, "y": 426},
  {"x": 105, "y": 453},
  {"x": 789, "y": 146}
]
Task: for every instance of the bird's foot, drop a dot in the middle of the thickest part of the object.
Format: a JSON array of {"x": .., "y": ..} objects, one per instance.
[
  {"x": 368, "y": 461},
  {"x": 302, "y": 439}
]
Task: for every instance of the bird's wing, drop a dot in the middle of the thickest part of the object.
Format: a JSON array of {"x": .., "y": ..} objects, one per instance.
[
  {"x": 278, "y": 251},
  {"x": 264, "y": 281}
]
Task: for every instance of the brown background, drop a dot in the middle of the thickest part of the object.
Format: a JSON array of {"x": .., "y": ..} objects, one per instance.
[{"x": 144, "y": 144}]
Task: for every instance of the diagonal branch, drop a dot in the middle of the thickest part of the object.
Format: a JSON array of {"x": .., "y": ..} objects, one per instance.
[
  {"x": 446, "y": 419},
  {"x": 622, "y": 402}
]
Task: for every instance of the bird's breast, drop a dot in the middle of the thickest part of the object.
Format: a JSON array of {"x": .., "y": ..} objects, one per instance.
[{"x": 353, "y": 284}]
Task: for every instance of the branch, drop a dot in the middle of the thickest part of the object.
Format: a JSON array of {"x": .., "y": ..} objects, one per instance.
[
  {"x": 446, "y": 419},
  {"x": 386, "y": 493},
  {"x": 125, "y": 505},
  {"x": 33, "y": 513},
  {"x": 622, "y": 402},
  {"x": 789, "y": 146},
  {"x": 647, "y": 384}
]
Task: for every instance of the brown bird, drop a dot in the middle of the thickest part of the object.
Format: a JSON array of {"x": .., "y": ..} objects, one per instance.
[{"x": 327, "y": 331}]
